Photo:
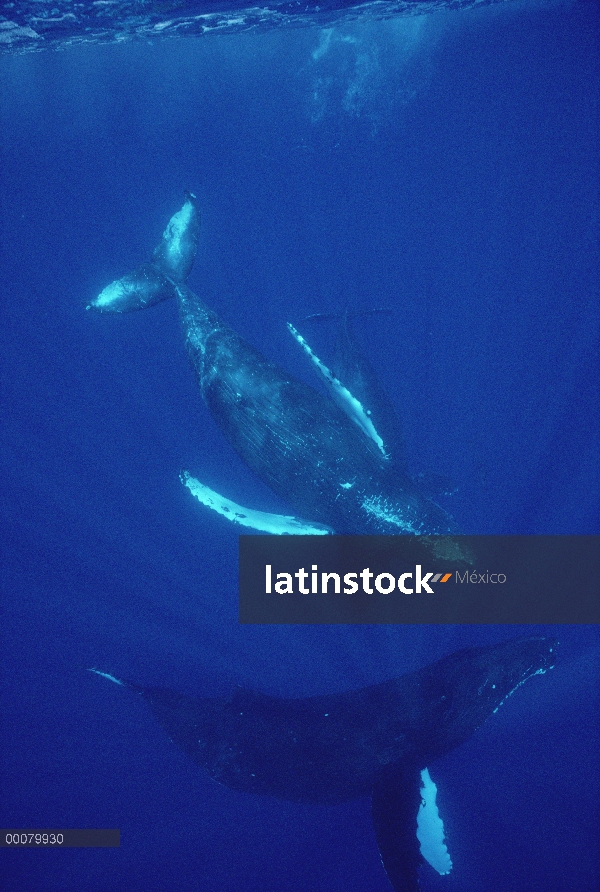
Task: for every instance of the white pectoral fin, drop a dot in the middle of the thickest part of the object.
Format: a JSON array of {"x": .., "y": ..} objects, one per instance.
[
  {"x": 106, "y": 675},
  {"x": 430, "y": 829},
  {"x": 277, "y": 524},
  {"x": 349, "y": 404}
]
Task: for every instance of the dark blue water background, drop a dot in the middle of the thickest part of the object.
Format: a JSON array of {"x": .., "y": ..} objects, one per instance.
[{"x": 444, "y": 167}]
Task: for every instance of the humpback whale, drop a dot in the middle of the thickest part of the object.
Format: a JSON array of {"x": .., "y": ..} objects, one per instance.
[
  {"x": 377, "y": 741},
  {"x": 323, "y": 456}
]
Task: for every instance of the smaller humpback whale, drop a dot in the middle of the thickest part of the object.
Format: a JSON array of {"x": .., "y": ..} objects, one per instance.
[
  {"x": 377, "y": 741},
  {"x": 322, "y": 455}
]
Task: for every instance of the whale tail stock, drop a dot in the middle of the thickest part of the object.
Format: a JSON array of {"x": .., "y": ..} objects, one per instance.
[{"x": 171, "y": 264}]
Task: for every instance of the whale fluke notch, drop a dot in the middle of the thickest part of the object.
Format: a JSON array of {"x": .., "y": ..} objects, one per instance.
[{"x": 374, "y": 741}]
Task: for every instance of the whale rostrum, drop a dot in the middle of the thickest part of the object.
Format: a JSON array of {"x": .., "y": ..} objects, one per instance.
[
  {"x": 320, "y": 452},
  {"x": 377, "y": 741}
]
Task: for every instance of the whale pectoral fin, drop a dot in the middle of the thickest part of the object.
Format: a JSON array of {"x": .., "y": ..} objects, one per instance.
[
  {"x": 394, "y": 808},
  {"x": 430, "y": 832},
  {"x": 124, "y": 684},
  {"x": 346, "y": 401},
  {"x": 277, "y": 524}
]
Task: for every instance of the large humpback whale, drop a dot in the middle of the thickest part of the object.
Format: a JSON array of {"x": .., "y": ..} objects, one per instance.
[
  {"x": 323, "y": 456},
  {"x": 376, "y": 741}
]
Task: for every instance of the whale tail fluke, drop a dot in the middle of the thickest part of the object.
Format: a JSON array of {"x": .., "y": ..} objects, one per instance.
[
  {"x": 142, "y": 288},
  {"x": 171, "y": 264}
]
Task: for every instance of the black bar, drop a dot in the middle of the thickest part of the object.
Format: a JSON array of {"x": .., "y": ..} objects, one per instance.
[
  {"x": 60, "y": 839},
  {"x": 482, "y": 579}
]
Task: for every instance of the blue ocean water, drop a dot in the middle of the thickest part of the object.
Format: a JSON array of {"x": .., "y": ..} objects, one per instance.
[{"x": 442, "y": 166}]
